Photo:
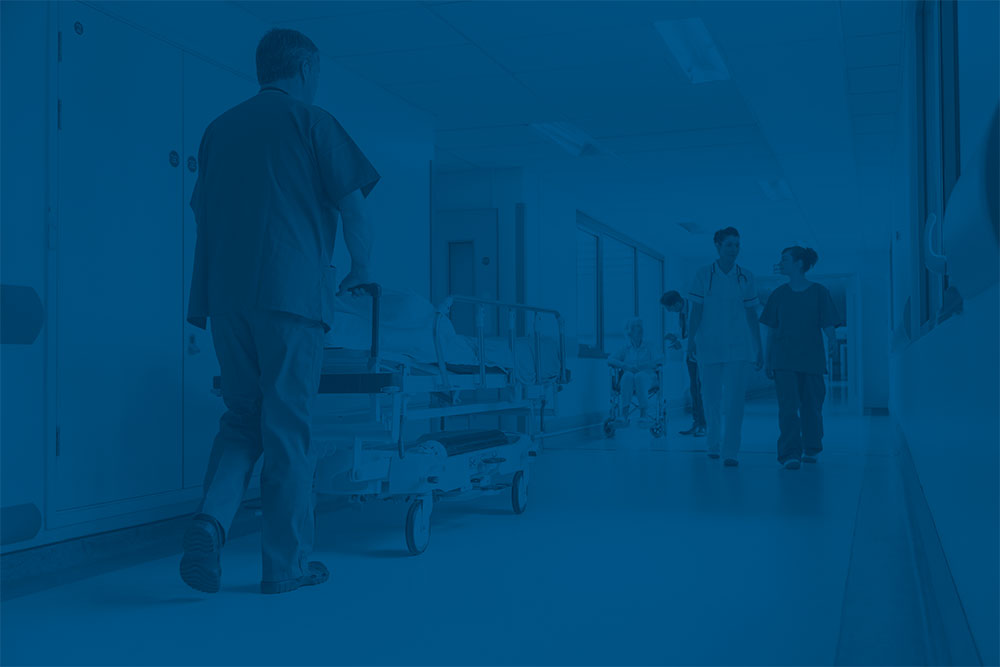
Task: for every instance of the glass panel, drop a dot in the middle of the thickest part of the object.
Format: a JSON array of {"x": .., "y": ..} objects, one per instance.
[
  {"x": 650, "y": 290},
  {"x": 619, "y": 291},
  {"x": 586, "y": 288}
]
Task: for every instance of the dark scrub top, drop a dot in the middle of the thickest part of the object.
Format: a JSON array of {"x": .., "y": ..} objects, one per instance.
[
  {"x": 271, "y": 171},
  {"x": 798, "y": 320}
]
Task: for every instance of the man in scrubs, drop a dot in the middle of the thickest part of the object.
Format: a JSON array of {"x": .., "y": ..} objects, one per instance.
[
  {"x": 724, "y": 326},
  {"x": 275, "y": 174},
  {"x": 673, "y": 302}
]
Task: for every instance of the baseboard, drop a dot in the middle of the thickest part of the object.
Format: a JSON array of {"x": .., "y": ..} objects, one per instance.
[
  {"x": 42, "y": 567},
  {"x": 949, "y": 637}
]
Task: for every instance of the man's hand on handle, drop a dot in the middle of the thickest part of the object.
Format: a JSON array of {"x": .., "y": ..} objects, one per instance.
[{"x": 352, "y": 282}]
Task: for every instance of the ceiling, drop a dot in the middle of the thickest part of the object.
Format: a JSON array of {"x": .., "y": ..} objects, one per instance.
[{"x": 813, "y": 98}]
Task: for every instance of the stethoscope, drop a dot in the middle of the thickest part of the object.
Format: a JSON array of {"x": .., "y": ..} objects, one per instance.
[{"x": 739, "y": 276}]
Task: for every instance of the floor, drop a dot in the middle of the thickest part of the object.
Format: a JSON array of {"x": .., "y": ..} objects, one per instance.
[{"x": 632, "y": 551}]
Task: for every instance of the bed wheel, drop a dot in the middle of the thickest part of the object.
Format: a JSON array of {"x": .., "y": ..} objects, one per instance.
[
  {"x": 418, "y": 528},
  {"x": 657, "y": 430},
  {"x": 609, "y": 428},
  {"x": 519, "y": 492}
]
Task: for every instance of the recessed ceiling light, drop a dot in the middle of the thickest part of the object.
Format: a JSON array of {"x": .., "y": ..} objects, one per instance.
[
  {"x": 570, "y": 138},
  {"x": 694, "y": 49},
  {"x": 775, "y": 189}
]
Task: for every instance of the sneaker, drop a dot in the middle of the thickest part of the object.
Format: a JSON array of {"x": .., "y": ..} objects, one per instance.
[
  {"x": 317, "y": 574},
  {"x": 200, "y": 566},
  {"x": 730, "y": 463},
  {"x": 810, "y": 458},
  {"x": 792, "y": 464},
  {"x": 699, "y": 432},
  {"x": 713, "y": 455}
]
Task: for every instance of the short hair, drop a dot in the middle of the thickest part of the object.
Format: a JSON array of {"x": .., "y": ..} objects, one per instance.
[
  {"x": 632, "y": 323},
  {"x": 807, "y": 256},
  {"x": 723, "y": 234},
  {"x": 280, "y": 54},
  {"x": 670, "y": 298}
]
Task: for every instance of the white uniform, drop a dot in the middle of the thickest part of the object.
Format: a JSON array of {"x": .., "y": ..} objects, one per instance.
[{"x": 725, "y": 350}]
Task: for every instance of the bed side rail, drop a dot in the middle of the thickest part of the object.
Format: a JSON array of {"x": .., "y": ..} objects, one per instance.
[
  {"x": 374, "y": 290},
  {"x": 483, "y": 304}
]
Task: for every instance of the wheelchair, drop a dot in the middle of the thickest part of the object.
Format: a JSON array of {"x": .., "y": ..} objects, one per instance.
[{"x": 656, "y": 408}]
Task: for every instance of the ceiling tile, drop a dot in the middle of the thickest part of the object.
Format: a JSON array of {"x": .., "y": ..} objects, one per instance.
[
  {"x": 421, "y": 66},
  {"x": 279, "y": 12},
  {"x": 873, "y": 79},
  {"x": 407, "y": 29},
  {"x": 866, "y": 17},
  {"x": 873, "y": 103},
  {"x": 876, "y": 123},
  {"x": 672, "y": 141},
  {"x": 872, "y": 50},
  {"x": 482, "y": 137}
]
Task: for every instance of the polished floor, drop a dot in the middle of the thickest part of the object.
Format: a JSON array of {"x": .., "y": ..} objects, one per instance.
[{"x": 632, "y": 552}]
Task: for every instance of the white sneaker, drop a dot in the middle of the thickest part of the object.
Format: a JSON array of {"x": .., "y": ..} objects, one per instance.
[{"x": 792, "y": 464}]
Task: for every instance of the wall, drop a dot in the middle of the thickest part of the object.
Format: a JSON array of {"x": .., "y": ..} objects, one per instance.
[
  {"x": 397, "y": 138},
  {"x": 944, "y": 384},
  {"x": 24, "y": 60}
]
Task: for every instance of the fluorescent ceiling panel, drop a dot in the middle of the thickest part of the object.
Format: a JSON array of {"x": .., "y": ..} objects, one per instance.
[{"x": 692, "y": 46}]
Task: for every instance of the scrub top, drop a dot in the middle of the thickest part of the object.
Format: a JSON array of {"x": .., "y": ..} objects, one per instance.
[
  {"x": 798, "y": 320},
  {"x": 724, "y": 333},
  {"x": 271, "y": 171}
]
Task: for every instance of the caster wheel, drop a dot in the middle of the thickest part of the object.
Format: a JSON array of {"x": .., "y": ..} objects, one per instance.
[
  {"x": 519, "y": 492},
  {"x": 657, "y": 430},
  {"x": 418, "y": 528},
  {"x": 609, "y": 428}
]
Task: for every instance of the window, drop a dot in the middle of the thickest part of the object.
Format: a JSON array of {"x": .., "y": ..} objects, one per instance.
[
  {"x": 937, "y": 141},
  {"x": 617, "y": 279},
  {"x": 587, "y": 290},
  {"x": 618, "y": 289}
]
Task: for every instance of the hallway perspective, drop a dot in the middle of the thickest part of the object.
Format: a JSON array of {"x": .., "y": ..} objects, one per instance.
[{"x": 631, "y": 551}]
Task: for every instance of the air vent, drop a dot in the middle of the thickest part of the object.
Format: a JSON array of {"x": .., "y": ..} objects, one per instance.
[{"x": 692, "y": 227}]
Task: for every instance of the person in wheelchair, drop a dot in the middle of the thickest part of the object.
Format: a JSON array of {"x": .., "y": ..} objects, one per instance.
[{"x": 637, "y": 366}]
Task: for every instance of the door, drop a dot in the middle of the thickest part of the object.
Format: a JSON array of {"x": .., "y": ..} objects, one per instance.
[
  {"x": 209, "y": 90},
  {"x": 118, "y": 264},
  {"x": 464, "y": 261}
]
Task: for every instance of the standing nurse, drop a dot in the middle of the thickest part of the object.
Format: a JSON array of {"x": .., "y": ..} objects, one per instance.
[
  {"x": 275, "y": 174},
  {"x": 796, "y": 313},
  {"x": 724, "y": 325}
]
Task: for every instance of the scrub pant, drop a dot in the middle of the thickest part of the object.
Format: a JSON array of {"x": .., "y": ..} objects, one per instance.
[
  {"x": 271, "y": 363},
  {"x": 724, "y": 388},
  {"x": 697, "y": 407},
  {"x": 639, "y": 383},
  {"x": 800, "y": 413}
]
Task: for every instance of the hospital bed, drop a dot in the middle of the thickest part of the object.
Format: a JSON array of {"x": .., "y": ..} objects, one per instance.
[{"x": 366, "y": 455}]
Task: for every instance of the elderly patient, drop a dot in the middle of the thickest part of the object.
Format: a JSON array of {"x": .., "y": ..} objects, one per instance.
[{"x": 637, "y": 362}]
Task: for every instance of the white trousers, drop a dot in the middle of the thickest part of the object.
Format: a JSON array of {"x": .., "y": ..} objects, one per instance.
[{"x": 723, "y": 391}]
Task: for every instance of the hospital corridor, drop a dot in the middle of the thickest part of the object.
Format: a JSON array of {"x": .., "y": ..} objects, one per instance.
[{"x": 486, "y": 332}]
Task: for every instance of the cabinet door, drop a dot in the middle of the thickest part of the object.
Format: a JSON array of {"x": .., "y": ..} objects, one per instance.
[
  {"x": 118, "y": 258},
  {"x": 209, "y": 90}
]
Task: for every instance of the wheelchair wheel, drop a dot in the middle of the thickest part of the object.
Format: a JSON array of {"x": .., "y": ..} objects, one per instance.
[
  {"x": 609, "y": 428},
  {"x": 519, "y": 492},
  {"x": 418, "y": 528}
]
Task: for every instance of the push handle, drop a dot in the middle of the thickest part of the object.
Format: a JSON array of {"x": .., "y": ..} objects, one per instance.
[{"x": 374, "y": 290}]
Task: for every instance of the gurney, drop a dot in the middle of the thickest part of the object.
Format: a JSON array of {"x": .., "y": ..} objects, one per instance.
[{"x": 367, "y": 454}]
